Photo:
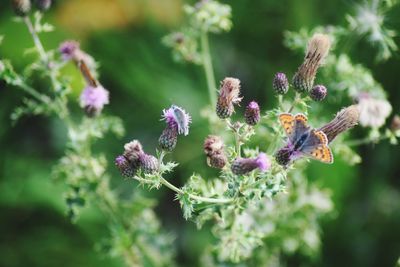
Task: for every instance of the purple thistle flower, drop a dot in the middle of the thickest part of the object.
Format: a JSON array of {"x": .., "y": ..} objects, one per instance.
[
  {"x": 93, "y": 99},
  {"x": 177, "y": 117},
  {"x": 68, "y": 49},
  {"x": 246, "y": 165},
  {"x": 252, "y": 113}
]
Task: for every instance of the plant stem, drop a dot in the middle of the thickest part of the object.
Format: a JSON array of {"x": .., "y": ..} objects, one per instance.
[
  {"x": 208, "y": 68},
  {"x": 36, "y": 40},
  {"x": 195, "y": 197},
  {"x": 295, "y": 101}
]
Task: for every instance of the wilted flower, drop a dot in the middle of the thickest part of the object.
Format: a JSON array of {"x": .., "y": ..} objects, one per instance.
[
  {"x": 344, "y": 120},
  {"x": 214, "y": 149},
  {"x": 133, "y": 150},
  {"x": 317, "y": 50},
  {"x": 126, "y": 168},
  {"x": 93, "y": 99},
  {"x": 43, "y": 5},
  {"x": 252, "y": 113},
  {"x": 280, "y": 83},
  {"x": 178, "y": 121},
  {"x": 373, "y": 112},
  {"x": 228, "y": 96},
  {"x": 70, "y": 50},
  {"x": 21, "y": 7},
  {"x": 318, "y": 93},
  {"x": 246, "y": 165}
]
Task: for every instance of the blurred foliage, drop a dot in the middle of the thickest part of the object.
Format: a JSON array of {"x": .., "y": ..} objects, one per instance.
[{"x": 125, "y": 36}]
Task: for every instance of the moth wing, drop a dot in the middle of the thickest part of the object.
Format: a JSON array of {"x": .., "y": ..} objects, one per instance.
[{"x": 316, "y": 147}]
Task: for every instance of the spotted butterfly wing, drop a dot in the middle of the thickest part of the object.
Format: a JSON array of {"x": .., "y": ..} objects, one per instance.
[
  {"x": 294, "y": 126},
  {"x": 316, "y": 147}
]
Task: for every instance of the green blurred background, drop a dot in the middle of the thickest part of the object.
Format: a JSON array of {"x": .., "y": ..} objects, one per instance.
[{"x": 125, "y": 37}]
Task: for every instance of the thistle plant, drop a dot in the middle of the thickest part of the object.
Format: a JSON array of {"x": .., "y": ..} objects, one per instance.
[{"x": 261, "y": 206}]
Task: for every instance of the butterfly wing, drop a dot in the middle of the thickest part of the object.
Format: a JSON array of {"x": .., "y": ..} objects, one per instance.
[
  {"x": 316, "y": 147},
  {"x": 294, "y": 126}
]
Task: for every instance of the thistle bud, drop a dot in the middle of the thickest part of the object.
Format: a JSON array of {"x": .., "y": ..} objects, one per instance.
[
  {"x": 168, "y": 139},
  {"x": 345, "y": 119},
  {"x": 252, "y": 113},
  {"x": 148, "y": 163},
  {"x": 133, "y": 150},
  {"x": 318, "y": 93},
  {"x": 245, "y": 165},
  {"x": 214, "y": 149},
  {"x": 317, "y": 50},
  {"x": 43, "y": 5},
  {"x": 21, "y": 7},
  {"x": 395, "y": 125},
  {"x": 283, "y": 156},
  {"x": 280, "y": 83},
  {"x": 125, "y": 167},
  {"x": 228, "y": 96},
  {"x": 93, "y": 99}
]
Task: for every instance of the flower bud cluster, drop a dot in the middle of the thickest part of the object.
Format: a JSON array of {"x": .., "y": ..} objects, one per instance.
[{"x": 134, "y": 158}]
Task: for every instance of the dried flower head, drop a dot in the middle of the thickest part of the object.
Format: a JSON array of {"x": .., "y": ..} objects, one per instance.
[
  {"x": 133, "y": 150},
  {"x": 177, "y": 117},
  {"x": 344, "y": 120},
  {"x": 318, "y": 93},
  {"x": 317, "y": 50},
  {"x": 246, "y": 165},
  {"x": 280, "y": 83},
  {"x": 228, "y": 96},
  {"x": 126, "y": 168},
  {"x": 252, "y": 113},
  {"x": 93, "y": 99},
  {"x": 395, "y": 124},
  {"x": 43, "y": 5},
  {"x": 215, "y": 150},
  {"x": 21, "y": 7},
  {"x": 373, "y": 112}
]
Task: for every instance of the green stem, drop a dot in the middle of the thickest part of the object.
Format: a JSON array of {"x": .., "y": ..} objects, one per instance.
[
  {"x": 208, "y": 68},
  {"x": 195, "y": 197},
  {"x": 295, "y": 101},
  {"x": 36, "y": 40}
]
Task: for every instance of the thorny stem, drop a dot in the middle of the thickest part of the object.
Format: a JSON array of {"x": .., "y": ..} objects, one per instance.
[
  {"x": 180, "y": 191},
  {"x": 195, "y": 197},
  {"x": 208, "y": 67}
]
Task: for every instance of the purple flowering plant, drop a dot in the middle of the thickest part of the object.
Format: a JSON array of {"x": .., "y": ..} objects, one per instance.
[{"x": 261, "y": 204}]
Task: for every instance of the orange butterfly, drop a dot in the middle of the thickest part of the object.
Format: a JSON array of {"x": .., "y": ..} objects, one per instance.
[{"x": 303, "y": 140}]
